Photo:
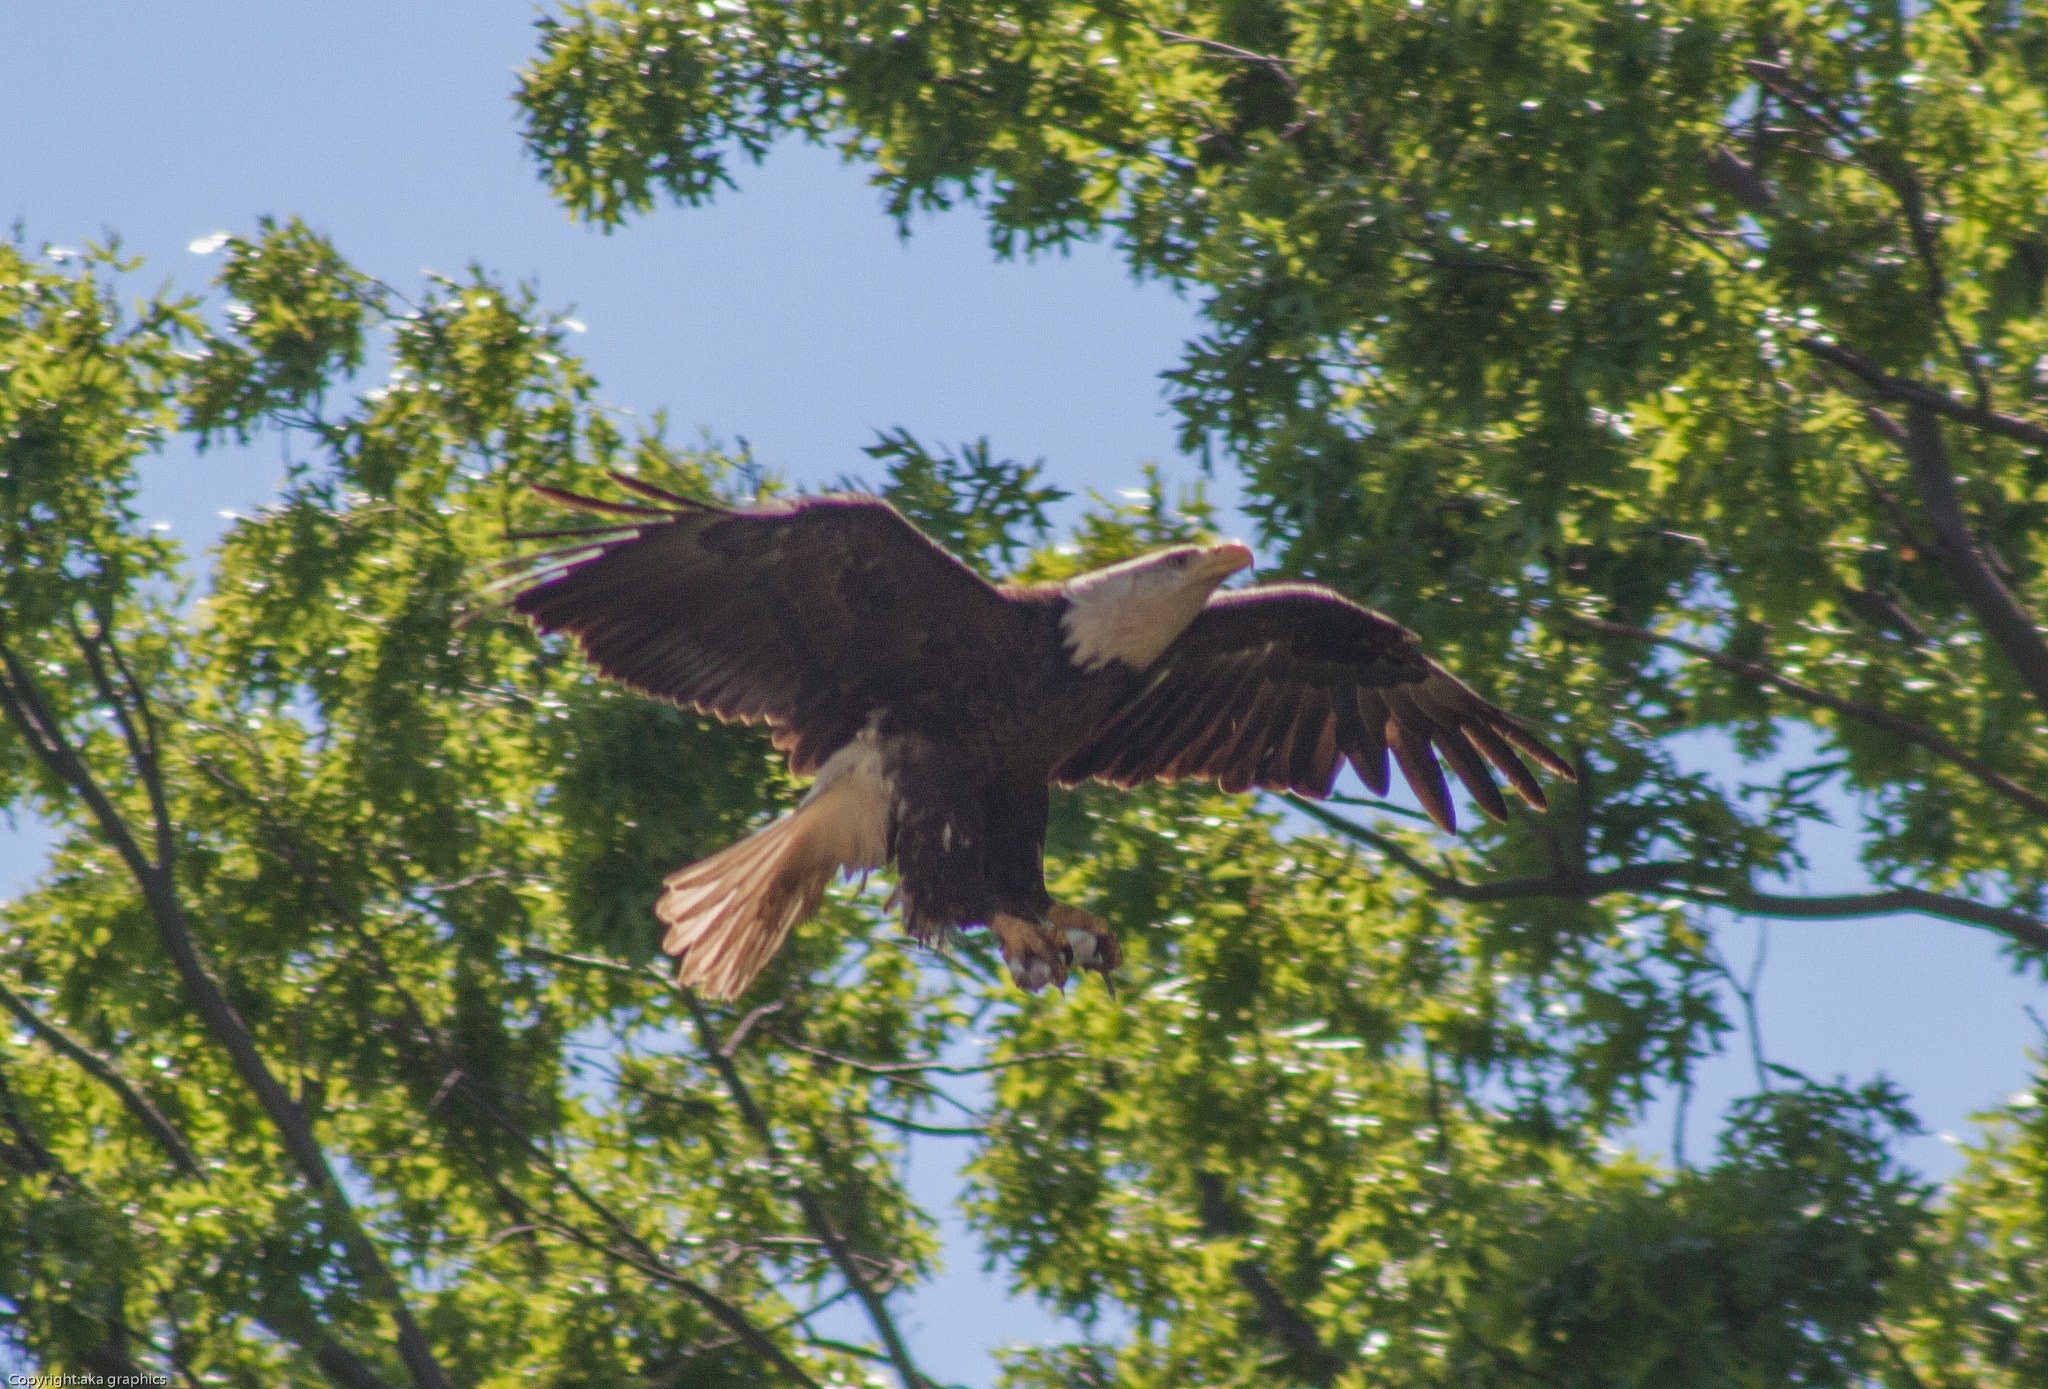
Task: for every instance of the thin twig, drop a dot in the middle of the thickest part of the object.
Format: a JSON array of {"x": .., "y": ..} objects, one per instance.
[
  {"x": 738, "y": 1038},
  {"x": 928, "y": 1067},
  {"x": 843, "y": 1255},
  {"x": 637, "y": 1255},
  {"x": 910, "y": 1126},
  {"x": 535, "y": 952},
  {"x": 1271, "y": 62},
  {"x": 143, "y": 746}
]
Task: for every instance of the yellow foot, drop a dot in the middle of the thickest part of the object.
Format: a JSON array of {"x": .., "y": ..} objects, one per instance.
[
  {"x": 1036, "y": 953},
  {"x": 1093, "y": 944}
]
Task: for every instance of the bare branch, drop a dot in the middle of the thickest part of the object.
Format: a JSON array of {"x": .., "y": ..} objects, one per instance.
[
  {"x": 930, "y": 1130},
  {"x": 557, "y": 957},
  {"x": 143, "y": 745},
  {"x": 2008, "y": 625},
  {"x": 927, "y": 1067},
  {"x": 100, "y": 1069},
  {"x": 1904, "y": 728},
  {"x": 21, "y": 699},
  {"x": 1895, "y": 902},
  {"x": 738, "y": 1038}
]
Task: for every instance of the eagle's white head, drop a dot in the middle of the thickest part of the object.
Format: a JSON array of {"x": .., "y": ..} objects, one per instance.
[{"x": 1131, "y": 612}]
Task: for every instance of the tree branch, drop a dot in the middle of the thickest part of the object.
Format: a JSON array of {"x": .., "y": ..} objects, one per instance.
[
  {"x": 341, "y": 1364},
  {"x": 843, "y": 1256},
  {"x": 1904, "y": 728},
  {"x": 1904, "y": 392},
  {"x": 25, "y": 706},
  {"x": 1903, "y": 181},
  {"x": 1289, "y": 1326},
  {"x": 22, "y": 702},
  {"x": 915, "y": 1068},
  {"x": 639, "y": 1254},
  {"x": 142, "y": 742},
  {"x": 1696, "y": 882},
  {"x": 100, "y": 1069},
  {"x": 2008, "y": 625},
  {"x": 1271, "y": 62}
]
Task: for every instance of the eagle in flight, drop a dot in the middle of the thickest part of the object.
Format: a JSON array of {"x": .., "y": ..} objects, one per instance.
[{"x": 936, "y": 709}]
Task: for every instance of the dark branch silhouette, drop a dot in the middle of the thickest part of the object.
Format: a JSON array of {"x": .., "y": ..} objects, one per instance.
[
  {"x": 1904, "y": 392},
  {"x": 2010, "y": 627}
]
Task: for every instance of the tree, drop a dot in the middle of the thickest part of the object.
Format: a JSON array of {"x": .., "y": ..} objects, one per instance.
[
  {"x": 1628, "y": 360},
  {"x": 1682, "y": 358}
]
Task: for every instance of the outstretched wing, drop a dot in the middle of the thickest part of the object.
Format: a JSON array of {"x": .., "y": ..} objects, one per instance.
[
  {"x": 1275, "y": 686},
  {"x": 785, "y": 612}
]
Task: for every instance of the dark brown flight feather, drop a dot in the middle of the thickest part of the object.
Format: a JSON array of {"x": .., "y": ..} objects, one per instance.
[{"x": 1276, "y": 685}]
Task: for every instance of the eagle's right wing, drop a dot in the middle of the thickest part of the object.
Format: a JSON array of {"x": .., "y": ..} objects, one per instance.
[{"x": 775, "y": 613}]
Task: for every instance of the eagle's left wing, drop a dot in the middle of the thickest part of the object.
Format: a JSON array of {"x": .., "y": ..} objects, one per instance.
[{"x": 1275, "y": 686}]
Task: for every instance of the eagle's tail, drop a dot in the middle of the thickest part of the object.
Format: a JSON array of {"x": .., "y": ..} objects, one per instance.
[{"x": 728, "y": 914}]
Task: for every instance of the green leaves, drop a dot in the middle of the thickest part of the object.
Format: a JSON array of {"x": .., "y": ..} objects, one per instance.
[
  {"x": 1586, "y": 340},
  {"x": 296, "y": 322},
  {"x": 1509, "y": 308},
  {"x": 1625, "y": 351},
  {"x": 342, "y": 785},
  {"x": 985, "y": 511}
]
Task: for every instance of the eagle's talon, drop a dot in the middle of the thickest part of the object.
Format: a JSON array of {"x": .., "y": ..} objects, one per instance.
[
  {"x": 1091, "y": 943},
  {"x": 1036, "y": 954}
]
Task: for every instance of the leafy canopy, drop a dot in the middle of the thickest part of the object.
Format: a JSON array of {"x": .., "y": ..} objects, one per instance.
[{"x": 1632, "y": 352}]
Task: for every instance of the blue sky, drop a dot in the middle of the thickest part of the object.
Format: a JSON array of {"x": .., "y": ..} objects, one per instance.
[{"x": 791, "y": 314}]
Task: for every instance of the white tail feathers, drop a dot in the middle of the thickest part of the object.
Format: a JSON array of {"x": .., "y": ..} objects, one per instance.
[{"x": 728, "y": 914}]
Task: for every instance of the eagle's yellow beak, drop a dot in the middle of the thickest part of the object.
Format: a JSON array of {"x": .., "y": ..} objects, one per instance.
[{"x": 1226, "y": 559}]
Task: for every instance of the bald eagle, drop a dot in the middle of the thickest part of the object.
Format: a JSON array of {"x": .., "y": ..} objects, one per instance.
[{"x": 936, "y": 709}]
